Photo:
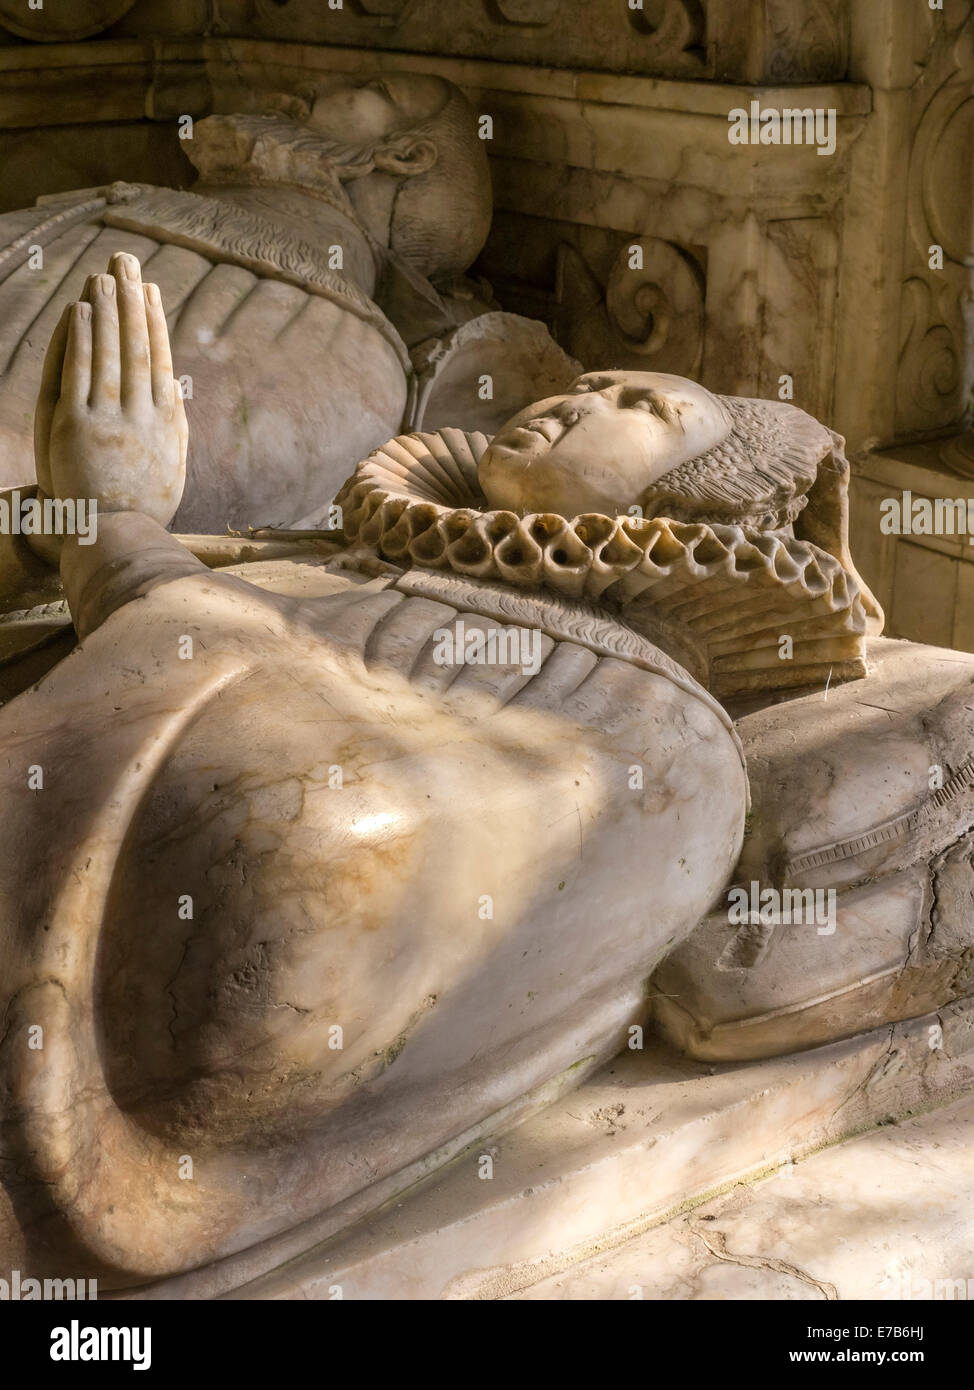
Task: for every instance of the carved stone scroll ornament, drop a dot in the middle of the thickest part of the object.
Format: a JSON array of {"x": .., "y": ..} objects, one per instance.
[
  {"x": 669, "y": 26},
  {"x": 60, "y": 23},
  {"x": 929, "y": 371},
  {"x": 934, "y": 378},
  {"x": 648, "y": 315},
  {"x": 658, "y": 308},
  {"x": 807, "y": 42}
]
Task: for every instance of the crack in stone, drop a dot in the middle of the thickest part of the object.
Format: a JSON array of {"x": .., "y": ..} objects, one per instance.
[
  {"x": 874, "y": 1072},
  {"x": 717, "y": 1246}
]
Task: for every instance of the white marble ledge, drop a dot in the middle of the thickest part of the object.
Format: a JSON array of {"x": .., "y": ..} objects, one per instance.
[{"x": 889, "y": 1216}]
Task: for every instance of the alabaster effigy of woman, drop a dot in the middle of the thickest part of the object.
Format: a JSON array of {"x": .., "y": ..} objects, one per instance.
[
  {"x": 296, "y": 882},
  {"x": 633, "y": 488},
  {"x": 284, "y": 891},
  {"x": 718, "y": 528}
]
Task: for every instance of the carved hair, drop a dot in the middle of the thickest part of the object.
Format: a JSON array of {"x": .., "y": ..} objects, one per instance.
[
  {"x": 274, "y": 149},
  {"x": 440, "y": 217},
  {"x": 457, "y": 188}
]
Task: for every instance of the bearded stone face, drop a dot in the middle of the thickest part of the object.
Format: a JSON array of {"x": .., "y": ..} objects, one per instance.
[
  {"x": 602, "y": 445},
  {"x": 369, "y": 110},
  {"x": 422, "y": 138},
  {"x": 404, "y": 146}
]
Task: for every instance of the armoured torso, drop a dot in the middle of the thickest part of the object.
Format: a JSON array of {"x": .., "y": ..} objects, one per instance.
[{"x": 290, "y": 372}]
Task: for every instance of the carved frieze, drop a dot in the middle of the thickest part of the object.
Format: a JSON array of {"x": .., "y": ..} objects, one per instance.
[
  {"x": 935, "y": 374},
  {"x": 649, "y": 315},
  {"x": 55, "y": 23},
  {"x": 804, "y": 43}
]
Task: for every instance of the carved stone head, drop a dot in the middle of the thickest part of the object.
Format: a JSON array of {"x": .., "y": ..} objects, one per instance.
[
  {"x": 599, "y": 447},
  {"x": 420, "y": 130},
  {"x": 403, "y": 145}
]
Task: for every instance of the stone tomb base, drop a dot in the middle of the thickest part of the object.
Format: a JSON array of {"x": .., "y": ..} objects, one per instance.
[
  {"x": 885, "y": 1216},
  {"x": 648, "y": 1135}
]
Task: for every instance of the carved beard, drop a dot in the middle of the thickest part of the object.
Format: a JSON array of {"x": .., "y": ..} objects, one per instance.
[{"x": 267, "y": 150}]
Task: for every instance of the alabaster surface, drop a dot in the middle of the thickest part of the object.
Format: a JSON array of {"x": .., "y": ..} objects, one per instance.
[
  {"x": 279, "y": 815},
  {"x": 315, "y": 906},
  {"x": 610, "y": 134},
  {"x": 721, "y": 557},
  {"x": 868, "y": 794},
  {"x": 310, "y": 891},
  {"x": 298, "y": 277}
]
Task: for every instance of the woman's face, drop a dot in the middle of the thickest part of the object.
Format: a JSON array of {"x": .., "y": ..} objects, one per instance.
[{"x": 598, "y": 448}]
